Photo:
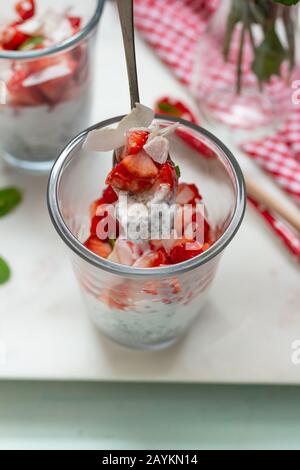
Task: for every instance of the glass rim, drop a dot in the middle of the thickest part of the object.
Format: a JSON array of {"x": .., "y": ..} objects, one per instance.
[
  {"x": 164, "y": 271},
  {"x": 67, "y": 44}
]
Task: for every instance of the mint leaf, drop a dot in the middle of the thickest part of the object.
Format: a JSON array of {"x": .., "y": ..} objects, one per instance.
[
  {"x": 112, "y": 242},
  {"x": 178, "y": 172},
  {"x": 169, "y": 109},
  {"x": 269, "y": 56},
  {"x": 4, "y": 271},
  {"x": 287, "y": 2},
  {"x": 9, "y": 199},
  {"x": 31, "y": 43}
]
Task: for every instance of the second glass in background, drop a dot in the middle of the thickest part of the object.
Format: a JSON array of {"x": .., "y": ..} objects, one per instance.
[{"x": 48, "y": 92}]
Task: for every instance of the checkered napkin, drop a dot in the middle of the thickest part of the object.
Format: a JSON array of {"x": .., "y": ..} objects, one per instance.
[{"x": 173, "y": 29}]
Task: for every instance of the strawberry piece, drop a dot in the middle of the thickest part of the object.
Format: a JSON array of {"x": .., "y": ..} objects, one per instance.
[
  {"x": 56, "y": 81},
  {"x": 94, "y": 206},
  {"x": 109, "y": 227},
  {"x": 152, "y": 260},
  {"x": 109, "y": 196},
  {"x": 98, "y": 247},
  {"x": 174, "y": 108},
  {"x": 186, "y": 250},
  {"x": 136, "y": 141},
  {"x": 167, "y": 175},
  {"x": 20, "y": 95},
  {"x": 120, "y": 296},
  {"x": 189, "y": 222},
  {"x": 12, "y": 39},
  {"x": 75, "y": 22},
  {"x": 25, "y": 9},
  {"x": 206, "y": 235},
  {"x": 135, "y": 173},
  {"x": 187, "y": 194},
  {"x": 140, "y": 165},
  {"x": 127, "y": 252}
]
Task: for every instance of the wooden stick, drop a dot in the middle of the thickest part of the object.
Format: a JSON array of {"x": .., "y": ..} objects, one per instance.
[{"x": 292, "y": 216}]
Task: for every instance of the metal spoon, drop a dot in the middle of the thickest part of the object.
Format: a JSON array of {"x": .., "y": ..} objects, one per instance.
[
  {"x": 127, "y": 24},
  {"x": 126, "y": 15},
  {"x": 125, "y": 8}
]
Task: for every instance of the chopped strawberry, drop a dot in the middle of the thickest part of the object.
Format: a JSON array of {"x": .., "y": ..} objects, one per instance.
[
  {"x": 186, "y": 250},
  {"x": 94, "y": 206},
  {"x": 12, "y": 39},
  {"x": 136, "y": 141},
  {"x": 156, "y": 244},
  {"x": 98, "y": 247},
  {"x": 187, "y": 194},
  {"x": 127, "y": 252},
  {"x": 174, "y": 108},
  {"x": 151, "y": 287},
  {"x": 21, "y": 95},
  {"x": 135, "y": 173},
  {"x": 25, "y": 9},
  {"x": 190, "y": 222},
  {"x": 75, "y": 22},
  {"x": 120, "y": 296},
  {"x": 109, "y": 196},
  {"x": 140, "y": 165},
  {"x": 56, "y": 80},
  {"x": 104, "y": 225},
  {"x": 152, "y": 259},
  {"x": 167, "y": 175},
  {"x": 206, "y": 228}
]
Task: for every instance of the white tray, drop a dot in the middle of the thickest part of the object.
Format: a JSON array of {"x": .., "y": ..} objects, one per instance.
[{"x": 244, "y": 335}]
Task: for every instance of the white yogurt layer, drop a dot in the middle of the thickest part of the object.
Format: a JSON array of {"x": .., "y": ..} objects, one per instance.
[
  {"x": 38, "y": 134},
  {"x": 150, "y": 324}
]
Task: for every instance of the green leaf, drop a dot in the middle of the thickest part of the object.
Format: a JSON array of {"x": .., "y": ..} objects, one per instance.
[
  {"x": 287, "y": 2},
  {"x": 112, "y": 242},
  {"x": 31, "y": 43},
  {"x": 169, "y": 109},
  {"x": 269, "y": 56},
  {"x": 9, "y": 199},
  {"x": 178, "y": 172},
  {"x": 4, "y": 271}
]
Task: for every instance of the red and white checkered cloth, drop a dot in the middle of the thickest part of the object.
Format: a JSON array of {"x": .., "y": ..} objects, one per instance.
[{"x": 173, "y": 28}]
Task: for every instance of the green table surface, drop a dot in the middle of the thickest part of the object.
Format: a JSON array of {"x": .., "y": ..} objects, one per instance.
[{"x": 59, "y": 415}]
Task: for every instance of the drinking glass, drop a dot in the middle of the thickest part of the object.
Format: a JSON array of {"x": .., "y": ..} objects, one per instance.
[
  {"x": 46, "y": 93},
  {"x": 146, "y": 308}
]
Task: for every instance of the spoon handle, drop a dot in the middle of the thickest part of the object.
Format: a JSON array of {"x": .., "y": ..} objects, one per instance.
[{"x": 127, "y": 24}]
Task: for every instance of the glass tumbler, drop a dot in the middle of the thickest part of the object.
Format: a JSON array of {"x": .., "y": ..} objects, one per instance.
[
  {"x": 46, "y": 93},
  {"x": 139, "y": 307}
]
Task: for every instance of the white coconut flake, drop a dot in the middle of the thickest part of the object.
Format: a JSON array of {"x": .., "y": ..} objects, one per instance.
[
  {"x": 169, "y": 130},
  {"x": 50, "y": 73},
  {"x": 32, "y": 27},
  {"x": 158, "y": 149},
  {"x": 103, "y": 140},
  {"x": 54, "y": 26}
]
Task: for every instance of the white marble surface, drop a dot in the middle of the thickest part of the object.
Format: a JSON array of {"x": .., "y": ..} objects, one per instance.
[{"x": 245, "y": 333}]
